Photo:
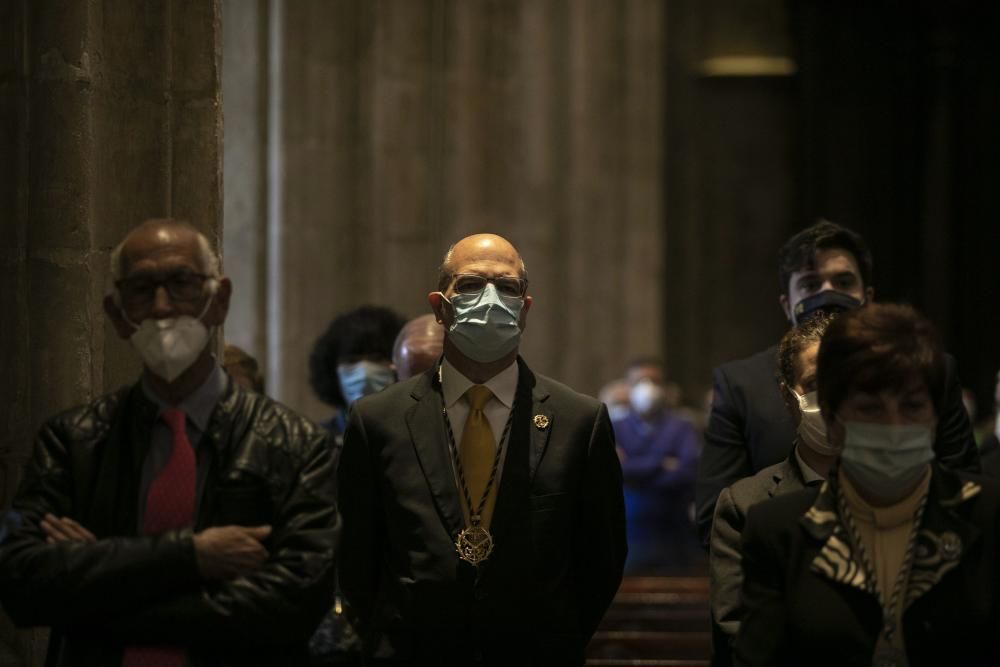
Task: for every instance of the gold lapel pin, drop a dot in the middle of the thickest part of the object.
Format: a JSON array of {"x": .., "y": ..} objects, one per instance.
[
  {"x": 951, "y": 546},
  {"x": 541, "y": 422}
]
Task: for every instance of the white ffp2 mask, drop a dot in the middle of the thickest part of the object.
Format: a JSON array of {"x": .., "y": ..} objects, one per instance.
[{"x": 169, "y": 346}]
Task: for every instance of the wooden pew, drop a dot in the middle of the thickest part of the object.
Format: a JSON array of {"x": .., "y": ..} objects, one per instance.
[{"x": 655, "y": 622}]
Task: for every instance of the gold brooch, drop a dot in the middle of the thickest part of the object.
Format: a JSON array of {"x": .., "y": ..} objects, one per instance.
[
  {"x": 541, "y": 422},
  {"x": 951, "y": 546}
]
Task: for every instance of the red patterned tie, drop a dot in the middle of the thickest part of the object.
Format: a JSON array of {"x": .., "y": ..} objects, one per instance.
[{"x": 169, "y": 506}]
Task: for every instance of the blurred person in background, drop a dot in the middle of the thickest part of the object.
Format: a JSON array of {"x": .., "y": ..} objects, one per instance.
[
  {"x": 659, "y": 454},
  {"x": 615, "y": 396},
  {"x": 418, "y": 346},
  {"x": 353, "y": 358},
  {"x": 894, "y": 559},
  {"x": 242, "y": 368},
  {"x": 808, "y": 464}
]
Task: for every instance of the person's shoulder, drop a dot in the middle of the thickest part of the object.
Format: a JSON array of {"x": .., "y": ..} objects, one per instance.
[
  {"x": 88, "y": 420},
  {"x": 751, "y": 490},
  {"x": 782, "y": 512},
  {"x": 273, "y": 420},
  {"x": 397, "y": 396},
  {"x": 764, "y": 361},
  {"x": 564, "y": 396}
]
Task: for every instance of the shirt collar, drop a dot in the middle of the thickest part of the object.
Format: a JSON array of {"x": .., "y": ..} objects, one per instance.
[
  {"x": 197, "y": 407},
  {"x": 503, "y": 384},
  {"x": 808, "y": 474}
]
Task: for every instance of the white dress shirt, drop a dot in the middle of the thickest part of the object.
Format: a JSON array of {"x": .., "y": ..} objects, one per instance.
[
  {"x": 497, "y": 410},
  {"x": 808, "y": 474}
]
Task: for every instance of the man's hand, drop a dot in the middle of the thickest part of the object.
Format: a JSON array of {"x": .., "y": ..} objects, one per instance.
[
  {"x": 64, "y": 529},
  {"x": 228, "y": 552}
]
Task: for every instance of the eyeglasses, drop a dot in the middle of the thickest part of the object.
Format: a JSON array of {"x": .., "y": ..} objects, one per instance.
[
  {"x": 182, "y": 287},
  {"x": 470, "y": 283}
]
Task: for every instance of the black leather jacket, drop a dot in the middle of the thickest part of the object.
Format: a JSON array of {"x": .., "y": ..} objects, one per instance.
[{"x": 267, "y": 466}]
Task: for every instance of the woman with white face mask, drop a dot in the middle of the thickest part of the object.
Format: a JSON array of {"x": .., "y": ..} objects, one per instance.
[
  {"x": 893, "y": 561},
  {"x": 808, "y": 464}
]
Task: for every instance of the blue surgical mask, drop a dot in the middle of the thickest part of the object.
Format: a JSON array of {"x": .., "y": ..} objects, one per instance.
[
  {"x": 363, "y": 378},
  {"x": 485, "y": 326},
  {"x": 886, "y": 460}
]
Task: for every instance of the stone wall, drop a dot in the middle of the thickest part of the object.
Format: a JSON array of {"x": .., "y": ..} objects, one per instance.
[{"x": 109, "y": 114}]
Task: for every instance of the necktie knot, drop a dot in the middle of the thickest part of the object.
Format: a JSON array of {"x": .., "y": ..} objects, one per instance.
[
  {"x": 478, "y": 395},
  {"x": 174, "y": 418}
]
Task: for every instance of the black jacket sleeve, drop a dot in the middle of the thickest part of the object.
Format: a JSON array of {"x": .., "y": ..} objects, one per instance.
[
  {"x": 363, "y": 536},
  {"x": 725, "y": 457},
  {"x": 66, "y": 583},
  {"x": 601, "y": 543},
  {"x": 955, "y": 445},
  {"x": 762, "y": 632},
  {"x": 284, "y": 599}
]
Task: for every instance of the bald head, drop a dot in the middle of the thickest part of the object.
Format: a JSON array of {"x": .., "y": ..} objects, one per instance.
[
  {"x": 418, "y": 346},
  {"x": 477, "y": 250},
  {"x": 161, "y": 235}
]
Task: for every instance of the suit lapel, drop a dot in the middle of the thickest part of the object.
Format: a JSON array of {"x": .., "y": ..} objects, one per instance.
[
  {"x": 425, "y": 420},
  {"x": 836, "y": 559}
]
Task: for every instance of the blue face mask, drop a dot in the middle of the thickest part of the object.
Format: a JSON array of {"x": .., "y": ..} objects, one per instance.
[
  {"x": 363, "y": 378},
  {"x": 886, "y": 460},
  {"x": 486, "y": 326}
]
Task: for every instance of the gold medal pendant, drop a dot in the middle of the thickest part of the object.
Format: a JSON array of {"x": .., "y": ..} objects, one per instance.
[{"x": 474, "y": 545}]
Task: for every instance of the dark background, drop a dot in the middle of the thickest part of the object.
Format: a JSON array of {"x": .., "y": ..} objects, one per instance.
[{"x": 888, "y": 126}]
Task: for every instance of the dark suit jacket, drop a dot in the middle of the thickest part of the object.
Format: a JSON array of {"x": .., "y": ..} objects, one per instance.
[
  {"x": 558, "y": 528},
  {"x": 808, "y": 600},
  {"x": 749, "y": 429},
  {"x": 989, "y": 452},
  {"x": 724, "y": 566}
]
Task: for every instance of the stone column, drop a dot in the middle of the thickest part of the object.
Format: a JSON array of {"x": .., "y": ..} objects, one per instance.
[{"x": 109, "y": 114}]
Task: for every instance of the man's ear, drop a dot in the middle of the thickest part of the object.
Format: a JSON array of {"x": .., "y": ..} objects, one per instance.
[
  {"x": 437, "y": 303},
  {"x": 219, "y": 308},
  {"x": 523, "y": 319},
  {"x": 114, "y": 313},
  {"x": 785, "y": 306},
  {"x": 869, "y": 295}
]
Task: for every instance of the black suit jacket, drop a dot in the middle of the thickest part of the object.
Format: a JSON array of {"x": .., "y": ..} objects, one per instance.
[
  {"x": 558, "y": 527},
  {"x": 989, "y": 453},
  {"x": 749, "y": 429},
  {"x": 808, "y": 601},
  {"x": 725, "y": 572}
]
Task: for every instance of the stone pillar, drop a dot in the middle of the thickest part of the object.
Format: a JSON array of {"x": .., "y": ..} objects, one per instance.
[
  {"x": 245, "y": 99},
  {"x": 109, "y": 114}
]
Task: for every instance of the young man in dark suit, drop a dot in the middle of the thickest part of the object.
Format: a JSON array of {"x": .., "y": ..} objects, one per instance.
[
  {"x": 482, "y": 504},
  {"x": 824, "y": 268}
]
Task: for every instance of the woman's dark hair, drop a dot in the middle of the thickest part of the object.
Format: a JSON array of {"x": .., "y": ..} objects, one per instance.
[
  {"x": 367, "y": 332},
  {"x": 874, "y": 348},
  {"x": 799, "y": 252}
]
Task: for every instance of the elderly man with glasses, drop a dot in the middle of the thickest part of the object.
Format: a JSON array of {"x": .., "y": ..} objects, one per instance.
[
  {"x": 181, "y": 520},
  {"x": 482, "y": 503}
]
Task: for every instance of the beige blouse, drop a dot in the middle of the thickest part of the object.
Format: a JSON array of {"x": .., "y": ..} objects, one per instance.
[{"x": 885, "y": 532}]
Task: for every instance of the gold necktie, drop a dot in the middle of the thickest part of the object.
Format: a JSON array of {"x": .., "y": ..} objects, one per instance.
[{"x": 477, "y": 451}]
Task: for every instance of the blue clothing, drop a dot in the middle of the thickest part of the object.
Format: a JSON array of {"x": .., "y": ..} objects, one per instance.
[{"x": 659, "y": 463}]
